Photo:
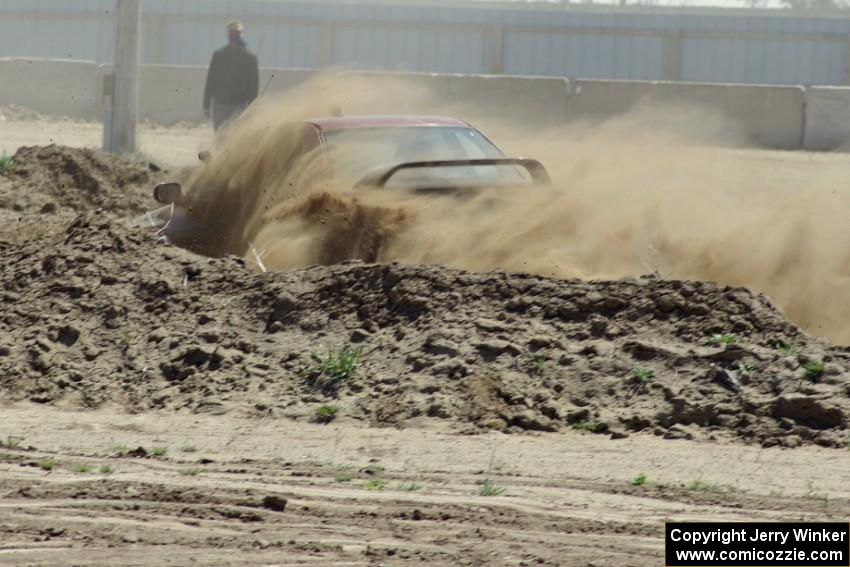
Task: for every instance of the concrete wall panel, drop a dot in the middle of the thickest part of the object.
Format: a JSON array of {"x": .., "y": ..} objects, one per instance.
[
  {"x": 281, "y": 80},
  {"x": 170, "y": 94},
  {"x": 770, "y": 116},
  {"x": 175, "y": 93},
  {"x": 51, "y": 86},
  {"x": 534, "y": 102},
  {"x": 596, "y": 98},
  {"x": 827, "y": 118}
]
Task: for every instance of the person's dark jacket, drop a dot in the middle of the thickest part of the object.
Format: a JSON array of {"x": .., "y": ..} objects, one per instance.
[{"x": 233, "y": 77}]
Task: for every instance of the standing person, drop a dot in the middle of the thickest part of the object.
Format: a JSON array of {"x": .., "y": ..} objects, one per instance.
[{"x": 233, "y": 79}]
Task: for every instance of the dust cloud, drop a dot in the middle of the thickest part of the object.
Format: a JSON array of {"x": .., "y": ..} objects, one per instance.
[{"x": 651, "y": 192}]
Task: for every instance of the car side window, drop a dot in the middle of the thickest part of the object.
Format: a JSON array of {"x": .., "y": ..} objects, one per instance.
[
  {"x": 304, "y": 159},
  {"x": 307, "y": 155},
  {"x": 309, "y": 138},
  {"x": 464, "y": 138}
]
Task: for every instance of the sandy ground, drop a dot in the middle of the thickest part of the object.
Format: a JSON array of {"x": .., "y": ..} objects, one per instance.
[
  {"x": 170, "y": 146},
  {"x": 567, "y": 500},
  {"x": 72, "y": 493}
]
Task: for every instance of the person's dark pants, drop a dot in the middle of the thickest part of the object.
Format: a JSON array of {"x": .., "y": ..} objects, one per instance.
[{"x": 223, "y": 113}]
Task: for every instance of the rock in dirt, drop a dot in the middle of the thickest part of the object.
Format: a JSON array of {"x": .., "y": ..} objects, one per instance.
[
  {"x": 809, "y": 411},
  {"x": 496, "y": 347},
  {"x": 275, "y": 503}
]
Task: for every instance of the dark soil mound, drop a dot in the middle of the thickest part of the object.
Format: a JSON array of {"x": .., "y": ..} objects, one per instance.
[
  {"x": 53, "y": 178},
  {"x": 97, "y": 313}
]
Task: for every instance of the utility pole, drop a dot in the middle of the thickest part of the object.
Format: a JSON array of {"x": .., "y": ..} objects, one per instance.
[{"x": 122, "y": 89}]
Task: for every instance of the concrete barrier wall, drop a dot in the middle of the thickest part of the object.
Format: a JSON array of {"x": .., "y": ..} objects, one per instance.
[
  {"x": 274, "y": 81},
  {"x": 398, "y": 93},
  {"x": 534, "y": 102},
  {"x": 531, "y": 102},
  {"x": 771, "y": 116},
  {"x": 597, "y": 99},
  {"x": 827, "y": 118},
  {"x": 790, "y": 117},
  {"x": 169, "y": 94},
  {"x": 50, "y": 86},
  {"x": 174, "y": 93}
]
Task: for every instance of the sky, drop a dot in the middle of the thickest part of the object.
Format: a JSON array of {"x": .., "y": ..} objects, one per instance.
[
  {"x": 716, "y": 3},
  {"x": 719, "y": 3}
]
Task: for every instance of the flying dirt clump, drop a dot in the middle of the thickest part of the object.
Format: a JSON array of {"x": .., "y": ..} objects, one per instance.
[
  {"x": 96, "y": 313},
  {"x": 51, "y": 179}
]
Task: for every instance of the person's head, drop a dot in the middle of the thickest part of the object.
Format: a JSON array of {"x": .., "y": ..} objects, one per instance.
[{"x": 234, "y": 30}]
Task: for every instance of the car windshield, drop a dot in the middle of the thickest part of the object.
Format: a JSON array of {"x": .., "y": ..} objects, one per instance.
[{"x": 354, "y": 152}]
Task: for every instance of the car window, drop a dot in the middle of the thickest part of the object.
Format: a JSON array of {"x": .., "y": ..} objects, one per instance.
[
  {"x": 356, "y": 151},
  {"x": 471, "y": 142}
]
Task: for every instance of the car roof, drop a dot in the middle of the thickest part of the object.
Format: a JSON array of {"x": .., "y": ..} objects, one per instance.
[{"x": 385, "y": 121}]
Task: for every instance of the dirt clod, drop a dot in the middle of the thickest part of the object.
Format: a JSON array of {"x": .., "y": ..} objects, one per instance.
[
  {"x": 275, "y": 503},
  {"x": 809, "y": 410}
]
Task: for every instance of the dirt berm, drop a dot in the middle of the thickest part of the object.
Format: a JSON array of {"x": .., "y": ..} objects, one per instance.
[
  {"x": 52, "y": 179},
  {"x": 97, "y": 313}
]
